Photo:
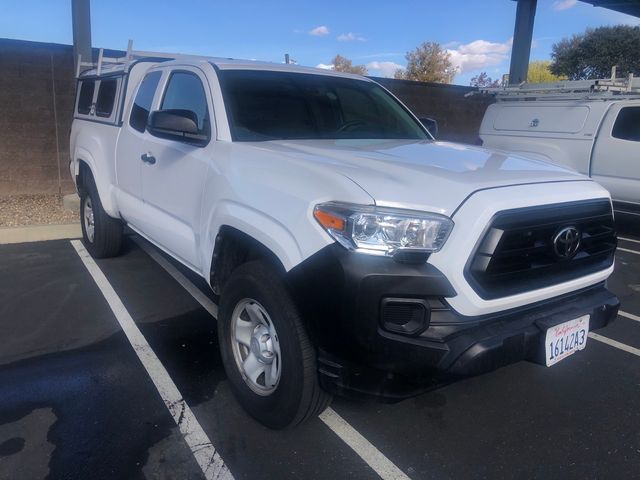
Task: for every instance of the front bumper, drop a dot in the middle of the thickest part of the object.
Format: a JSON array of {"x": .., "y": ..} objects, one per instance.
[{"x": 342, "y": 294}]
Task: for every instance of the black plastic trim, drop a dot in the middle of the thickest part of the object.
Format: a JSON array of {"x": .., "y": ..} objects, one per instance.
[{"x": 486, "y": 293}]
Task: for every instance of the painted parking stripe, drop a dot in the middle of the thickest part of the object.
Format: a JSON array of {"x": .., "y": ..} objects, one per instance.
[
  {"x": 201, "y": 447},
  {"x": 630, "y": 316},
  {"x": 629, "y": 239},
  {"x": 628, "y": 250},
  {"x": 615, "y": 344},
  {"x": 384, "y": 467},
  {"x": 370, "y": 454}
]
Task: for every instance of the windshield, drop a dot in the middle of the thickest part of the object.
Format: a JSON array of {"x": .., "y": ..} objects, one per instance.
[{"x": 268, "y": 105}]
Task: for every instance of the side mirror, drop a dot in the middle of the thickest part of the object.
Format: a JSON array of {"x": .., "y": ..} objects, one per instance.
[
  {"x": 431, "y": 125},
  {"x": 180, "y": 125}
]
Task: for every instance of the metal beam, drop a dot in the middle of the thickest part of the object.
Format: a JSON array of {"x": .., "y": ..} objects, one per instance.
[
  {"x": 522, "y": 36},
  {"x": 81, "y": 19}
]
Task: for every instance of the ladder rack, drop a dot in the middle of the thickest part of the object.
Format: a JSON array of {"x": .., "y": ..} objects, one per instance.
[
  {"x": 600, "y": 89},
  {"x": 105, "y": 63}
]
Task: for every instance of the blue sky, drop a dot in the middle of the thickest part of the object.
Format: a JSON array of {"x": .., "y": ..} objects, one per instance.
[{"x": 376, "y": 33}]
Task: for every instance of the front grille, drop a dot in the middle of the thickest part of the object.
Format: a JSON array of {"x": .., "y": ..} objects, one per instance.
[{"x": 517, "y": 252}]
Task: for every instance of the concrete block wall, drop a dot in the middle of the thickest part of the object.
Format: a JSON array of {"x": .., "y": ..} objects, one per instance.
[
  {"x": 31, "y": 75},
  {"x": 32, "y": 72},
  {"x": 458, "y": 117}
]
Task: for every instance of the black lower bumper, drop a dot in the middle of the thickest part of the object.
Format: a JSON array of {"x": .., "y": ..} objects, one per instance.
[{"x": 364, "y": 351}]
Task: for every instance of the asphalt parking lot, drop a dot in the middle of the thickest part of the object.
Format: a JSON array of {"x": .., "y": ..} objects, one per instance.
[{"x": 77, "y": 402}]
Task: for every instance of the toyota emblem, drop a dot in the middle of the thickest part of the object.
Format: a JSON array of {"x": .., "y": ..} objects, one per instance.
[{"x": 567, "y": 242}]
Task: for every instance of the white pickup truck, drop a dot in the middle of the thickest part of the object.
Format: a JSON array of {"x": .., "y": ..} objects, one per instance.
[
  {"x": 591, "y": 126},
  {"x": 352, "y": 253}
]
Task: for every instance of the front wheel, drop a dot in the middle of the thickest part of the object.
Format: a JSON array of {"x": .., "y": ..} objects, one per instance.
[{"x": 267, "y": 354}]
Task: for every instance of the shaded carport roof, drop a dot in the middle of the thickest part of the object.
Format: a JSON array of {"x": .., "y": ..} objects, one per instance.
[
  {"x": 523, "y": 31},
  {"x": 630, "y": 7}
]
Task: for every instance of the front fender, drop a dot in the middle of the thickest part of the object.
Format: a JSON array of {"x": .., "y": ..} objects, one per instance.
[{"x": 291, "y": 248}]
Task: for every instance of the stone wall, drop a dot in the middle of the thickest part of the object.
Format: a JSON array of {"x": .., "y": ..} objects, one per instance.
[
  {"x": 458, "y": 117},
  {"x": 32, "y": 74}
]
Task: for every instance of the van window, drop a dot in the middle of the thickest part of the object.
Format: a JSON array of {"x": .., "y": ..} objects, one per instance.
[
  {"x": 627, "y": 126},
  {"x": 185, "y": 92},
  {"x": 142, "y": 103},
  {"x": 106, "y": 97},
  {"x": 85, "y": 99}
]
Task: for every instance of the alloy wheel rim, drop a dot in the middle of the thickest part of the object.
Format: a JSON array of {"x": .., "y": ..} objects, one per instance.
[
  {"x": 89, "y": 221},
  {"x": 256, "y": 348}
]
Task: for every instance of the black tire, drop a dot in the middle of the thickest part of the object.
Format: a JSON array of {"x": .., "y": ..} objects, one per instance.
[
  {"x": 297, "y": 396},
  {"x": 107, "y": 236}
]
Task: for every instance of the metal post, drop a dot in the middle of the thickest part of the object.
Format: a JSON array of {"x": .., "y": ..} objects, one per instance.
[
  {"x": 81, "y": 19},
  {"x": 522, "y": 35}
]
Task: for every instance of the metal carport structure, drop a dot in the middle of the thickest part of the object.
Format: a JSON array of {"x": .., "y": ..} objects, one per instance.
[{"x": 523, "y": 31}]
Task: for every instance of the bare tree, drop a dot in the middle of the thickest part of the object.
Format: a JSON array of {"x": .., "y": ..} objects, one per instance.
[
  {"x": 429, "y": 62},
  {"x": 484, "y": 81},
  {"x": 343, "y": 64}
]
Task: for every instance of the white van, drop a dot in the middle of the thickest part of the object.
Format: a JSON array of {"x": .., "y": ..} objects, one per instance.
[{"x": 590, "y": 126}]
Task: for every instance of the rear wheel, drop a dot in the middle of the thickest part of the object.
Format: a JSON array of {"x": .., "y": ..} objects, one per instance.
[
  {"x": 102, "y": 234},
  {"x": 268, "y": 357}
]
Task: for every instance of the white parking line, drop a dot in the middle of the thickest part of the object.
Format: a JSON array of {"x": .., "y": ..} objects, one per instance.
[
  {"x": 630, "y": 316},
  {"x": 365, "y": 450},
  {"x": 628, "y": 250},
  {"x": 373, "y": 457},
  {"x": 201, "y": 447},
  {"x": 629, "y": 239},
  {"x": 615, "y": 344}
]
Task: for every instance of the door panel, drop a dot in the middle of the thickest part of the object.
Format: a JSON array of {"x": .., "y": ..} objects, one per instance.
[
  {"x": 173, "y": 185},
  {"x": 616, "y": 155},
  {"x": 131, "y": 140}
]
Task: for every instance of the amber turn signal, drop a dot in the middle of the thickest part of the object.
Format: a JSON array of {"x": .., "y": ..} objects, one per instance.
[{"x": 329, "y": 220}]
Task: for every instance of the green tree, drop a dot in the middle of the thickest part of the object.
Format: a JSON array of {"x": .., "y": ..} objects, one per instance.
[
  {"x": 429, "y": 62},
  {"x": 593, "y": 53},
  {"x": 343, "y": 64},
  {"x": 539, "y": 72},
  {"x": 483, "y": 81}
]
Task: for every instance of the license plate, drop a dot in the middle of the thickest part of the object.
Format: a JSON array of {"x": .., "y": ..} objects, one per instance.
[{"x": 566, "y": 339}]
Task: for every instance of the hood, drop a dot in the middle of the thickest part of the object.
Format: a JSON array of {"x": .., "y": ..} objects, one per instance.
[{"x": 420, "y": 175}]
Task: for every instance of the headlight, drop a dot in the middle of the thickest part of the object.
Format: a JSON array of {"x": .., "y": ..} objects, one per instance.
[{"x": 383, "y": 231}]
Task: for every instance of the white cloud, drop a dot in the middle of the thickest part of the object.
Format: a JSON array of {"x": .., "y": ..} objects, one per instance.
[
  {"x": 325, "y": 66},
  {"x": 385, "y": 69},
  {"x": 479, "y": 54},
  {"x": 559, "y": 5},
  {"x": 350, "y": 37},
  {"x": 319, "y": 31}
]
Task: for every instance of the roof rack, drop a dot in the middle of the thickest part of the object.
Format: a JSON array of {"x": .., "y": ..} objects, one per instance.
[
  {"x": 600, "y": 89},
  {"x": 107, "y": 64}
]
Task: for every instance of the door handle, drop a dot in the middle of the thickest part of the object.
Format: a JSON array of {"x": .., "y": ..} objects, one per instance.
[{"x": 148, "y": 158}]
